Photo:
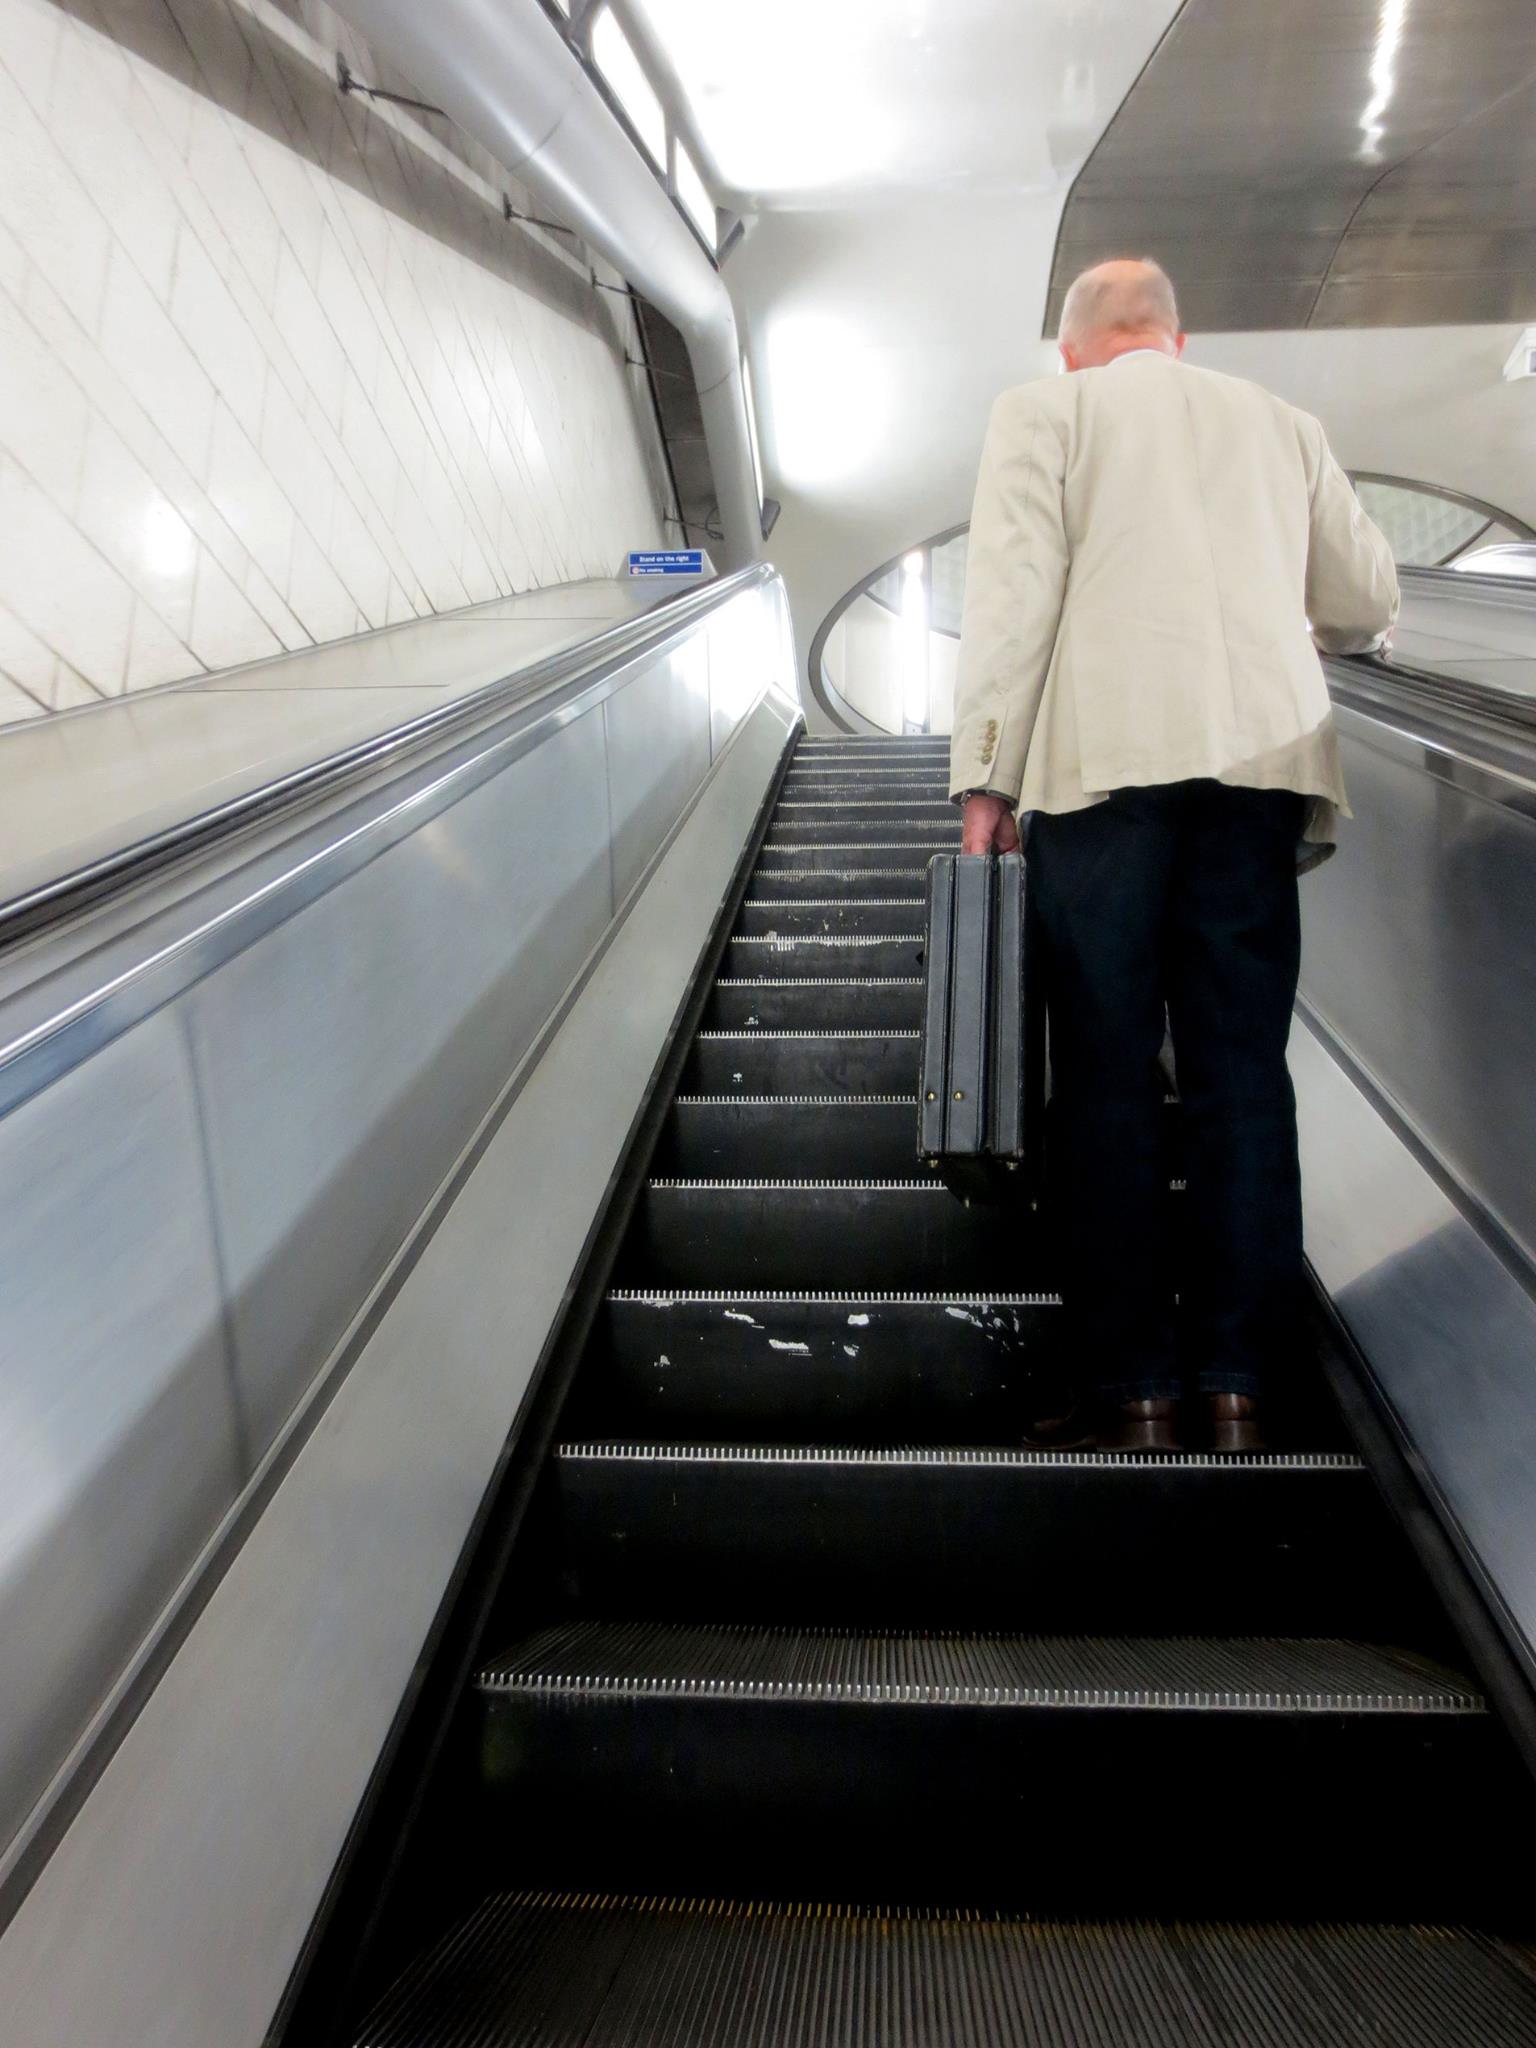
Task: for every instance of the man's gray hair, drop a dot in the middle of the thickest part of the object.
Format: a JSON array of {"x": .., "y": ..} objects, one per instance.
[{"x": 1127, "y": 296}]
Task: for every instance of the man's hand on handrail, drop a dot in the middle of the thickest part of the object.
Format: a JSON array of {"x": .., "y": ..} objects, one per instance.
[{"x": 988, "y": 826}]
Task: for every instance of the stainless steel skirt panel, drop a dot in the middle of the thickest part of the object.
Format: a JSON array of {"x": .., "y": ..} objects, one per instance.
[
  {"x": 344, "y": 1059},
  {"x": 656, "y": 738},
  {"x": 1419, "y": 954},
  {"x": 175, "y": 1906},
  {"x": 1415, "y": 1070},
  {"x": 223, "y": 1112},
  {"x": 119, "y": 1444},
  {"x": 1446, "y": 1327}
]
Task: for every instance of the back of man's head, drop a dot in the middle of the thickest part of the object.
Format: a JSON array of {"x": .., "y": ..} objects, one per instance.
[{"x": 1117, "y": 306}]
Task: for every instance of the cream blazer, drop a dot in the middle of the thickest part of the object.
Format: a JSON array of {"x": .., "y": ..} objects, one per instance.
[{"x": 1154, "y": 551}]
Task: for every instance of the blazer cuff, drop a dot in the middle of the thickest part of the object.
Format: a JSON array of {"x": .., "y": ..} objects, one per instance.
[{"x": 959, "y": 796}]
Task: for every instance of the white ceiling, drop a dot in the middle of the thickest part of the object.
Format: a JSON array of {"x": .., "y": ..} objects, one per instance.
[
  {"x": 907, "y": 161},
  {"x": 904, "y": 164},
  {"x": 828, "y": 103}
]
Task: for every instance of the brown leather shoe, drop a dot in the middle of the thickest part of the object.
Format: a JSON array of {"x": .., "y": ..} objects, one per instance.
[
  {"x": 1142, "y": 1426},
  {"x": 1235, "y": 1425},
  {"x": 1070, "y": 1431}
]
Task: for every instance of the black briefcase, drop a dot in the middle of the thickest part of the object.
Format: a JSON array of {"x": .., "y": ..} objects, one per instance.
[{"x": 982, "y": 1094}]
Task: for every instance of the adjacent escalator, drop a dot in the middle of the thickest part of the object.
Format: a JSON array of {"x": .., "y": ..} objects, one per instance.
[{"x": 824, "y": 1710}]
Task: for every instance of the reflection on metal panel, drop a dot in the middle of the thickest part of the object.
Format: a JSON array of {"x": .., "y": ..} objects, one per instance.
[
  {"x": 118, "y": 1442},
  {"x": 656, "y": 740},
  {"x": 1449, "y": 1332},
  {"x": 1328, "y": 163},
  {"x": 174, "y": 1909},
  {"x": 1420, "y": 954},
  {"x": 382, "y": 1019},
  {"x": 231, "y": 1099}
]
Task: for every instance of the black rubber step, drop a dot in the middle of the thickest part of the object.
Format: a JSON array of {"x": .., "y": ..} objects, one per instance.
[
  {"x": 902, "y": 830},
  {"x": 846, "y": 1062},
  {"x": 827, "y": 787},
  {"x": 834, "y": 954},
  {"x": 853, "y": 1001},
  {"x": 768, "y": 913},
  {"x": 1059, "y": 1769},
  {"x": 791, "y": 1136},
  {"x": 868, "y": 810},
  {"x": 546, "y": 1970},
  {"x": 824, "y": 1233},
  {"x": 825, "y": 768},
  {"x": 839, "y": 1368},
  {"x": 819, "y": 884},
  {"x": 900, "y": 746},
  {"x": 834, "y": 855},
  {"x": 929, "y": 1536}
]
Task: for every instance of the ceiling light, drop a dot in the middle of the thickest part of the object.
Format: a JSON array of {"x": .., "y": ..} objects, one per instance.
[
  {"x": 828, "y": 393},
  {"x": 614, "y": 56},
  {"x": 694, "y": 194}
]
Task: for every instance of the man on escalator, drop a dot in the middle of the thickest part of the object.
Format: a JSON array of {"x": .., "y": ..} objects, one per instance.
[{"x": 1156, "y": 554}]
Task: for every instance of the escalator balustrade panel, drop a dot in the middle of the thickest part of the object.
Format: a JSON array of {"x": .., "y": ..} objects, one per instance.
[{"x": 835, "y": 1713}]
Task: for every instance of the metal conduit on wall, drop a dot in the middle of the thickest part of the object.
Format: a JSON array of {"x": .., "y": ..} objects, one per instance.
[{"x": 502, "y": 70}]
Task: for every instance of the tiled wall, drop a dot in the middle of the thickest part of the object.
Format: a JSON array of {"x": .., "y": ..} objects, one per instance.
[{"x": 273, "y": 367}]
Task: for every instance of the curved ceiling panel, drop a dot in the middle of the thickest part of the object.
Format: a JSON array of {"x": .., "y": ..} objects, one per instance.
[{"x": 1325, "y": 163}]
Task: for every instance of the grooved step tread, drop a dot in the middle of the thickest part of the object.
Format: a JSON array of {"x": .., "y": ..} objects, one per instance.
[
  {"x": 829, "y": 1031},
  {"x": 820, "y": 982},
  {"x": 541, "y": 1970},
  {"x": 782, "y": 846},
  {"x": 1184, "y": 1674},
  {"x": 946, "y": 1457},
  {"x": 664, "y": 1297},
  {"x": 789, "y": 1101}
]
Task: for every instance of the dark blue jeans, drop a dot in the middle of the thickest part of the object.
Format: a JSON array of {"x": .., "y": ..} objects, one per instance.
[{"x": 1176, "y": 900}]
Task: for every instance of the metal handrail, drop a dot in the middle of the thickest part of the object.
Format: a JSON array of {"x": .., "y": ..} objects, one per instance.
[
  {"x": 114, "y": 873},
  {"x": 1468, "y": 582},
  {"x": 1506, "y": 714}
]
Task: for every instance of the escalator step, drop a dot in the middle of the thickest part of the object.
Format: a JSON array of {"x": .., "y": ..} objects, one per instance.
[
  {"x": 844, "y": 1367},
  {"x": 793, "y": 878},
  {"x": 824, "y": 1233},
  {"x": 861, "y": 810},
  {"x": 823, "y": 786},
  {"x": 769, "y": 1002},
  {"x": 928, "y": 1536},
  {"x": 1247, "y": 1675},
  {"x": 870, "y": 1136},
  {"x": 542, "y": 1970},
  {"x": 768, "y": 914},
  {"x": 882, "y": 747},
  {"x": 808, "y": 854},
  {"x": 827, "y": 954},
  {"x": 852, "y": 833},
  {"x": 848, "y": 1062},
  {"x": 1060, "y": 1767}
]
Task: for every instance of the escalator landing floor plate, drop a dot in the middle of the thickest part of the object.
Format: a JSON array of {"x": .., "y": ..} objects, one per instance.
[{"x": 530, "y": 1970}]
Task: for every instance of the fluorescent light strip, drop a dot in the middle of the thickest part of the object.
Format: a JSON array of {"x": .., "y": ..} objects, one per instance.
[
  {"x": 694, "y": 194},
  {"x": 614, "y": 56}
]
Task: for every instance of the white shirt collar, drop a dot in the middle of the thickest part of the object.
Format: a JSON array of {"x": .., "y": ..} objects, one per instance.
[{"x": 1126, "y": 354}]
